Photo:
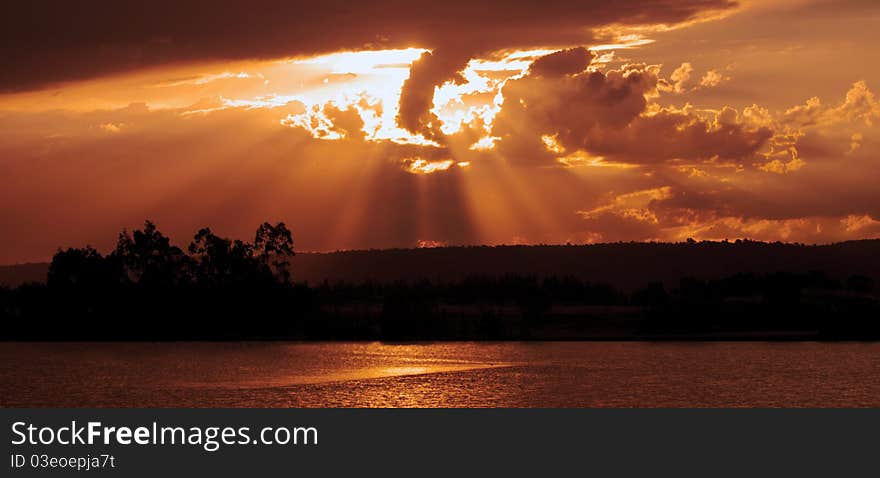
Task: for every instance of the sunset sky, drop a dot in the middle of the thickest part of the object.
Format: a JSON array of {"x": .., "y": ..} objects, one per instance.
[{"x": 397, "y": 123}]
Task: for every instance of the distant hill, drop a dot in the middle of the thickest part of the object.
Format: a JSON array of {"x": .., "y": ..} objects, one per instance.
[
  {"x": 15, "y": 275},
  {"x": 623, "y": 265}
]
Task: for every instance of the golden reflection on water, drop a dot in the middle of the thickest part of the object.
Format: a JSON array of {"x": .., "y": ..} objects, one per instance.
[
  {"x": 395, "y": 371},
  {"x": 558, "y": 374},
  {"x": 330, "y": 376}
]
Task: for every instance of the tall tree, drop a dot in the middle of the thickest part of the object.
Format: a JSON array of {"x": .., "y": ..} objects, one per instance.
[
  {"x": 221, "y": 261},
  {"x": 273, "y": 245},
  {"x": 149, "y": 257}
]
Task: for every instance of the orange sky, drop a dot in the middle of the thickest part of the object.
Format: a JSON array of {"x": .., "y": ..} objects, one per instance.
[{"x": 401, "y": 124}]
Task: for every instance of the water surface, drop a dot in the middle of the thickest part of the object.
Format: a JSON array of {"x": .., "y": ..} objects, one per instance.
[{"x": 530, "y": 374}]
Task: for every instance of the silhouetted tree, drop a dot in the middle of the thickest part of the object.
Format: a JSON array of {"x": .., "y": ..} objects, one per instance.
[
  {"x": 83, "y": 268},
  {"x": 274, "y": 246},
  {"x": 222, "y": 261},
  {"x": 149, "y": 258}
]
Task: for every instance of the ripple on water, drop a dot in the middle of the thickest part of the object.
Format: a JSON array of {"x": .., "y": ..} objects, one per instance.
[{"x": 557, "y": 374}]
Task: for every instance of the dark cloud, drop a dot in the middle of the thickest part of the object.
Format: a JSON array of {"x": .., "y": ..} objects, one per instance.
[
  {"x": 605, "y": 114},
  {"x": 569, "y": 107},
  {"x": 672, "y": 135},
  {"x": 48, "y": 41},
  {"x": 563, "y": 62},
  {"x": 417, "y": 94}
]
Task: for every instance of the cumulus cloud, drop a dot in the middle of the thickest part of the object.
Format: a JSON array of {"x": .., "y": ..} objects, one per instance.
[
  {"x": 670, "y": 134},
  {"x": 803, "y": 187},
  {"x": 608, "y": 114},
  {"x": 417, "y": 94},
  {"x": 569, "y": 107},
  {"x": 713, "y": 78},
  {"x": 680, "y": 80},
  {"x": 859, "y": 106},
  {"x": 562, "y": 63},
  {"x": 820, "y": 132},
  {"x": 681, "y": 77}
]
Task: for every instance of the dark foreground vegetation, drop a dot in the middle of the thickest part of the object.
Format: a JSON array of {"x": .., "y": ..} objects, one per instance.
[{"x": 222, "y": 289}]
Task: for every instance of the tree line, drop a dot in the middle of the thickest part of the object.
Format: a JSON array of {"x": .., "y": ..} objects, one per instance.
[
  {"x": 146, "y": 258},
  {"x": 223, "y": 289}
]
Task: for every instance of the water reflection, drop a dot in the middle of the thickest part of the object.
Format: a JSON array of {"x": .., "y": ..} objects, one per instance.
[{"x": 439, "y": 375}]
